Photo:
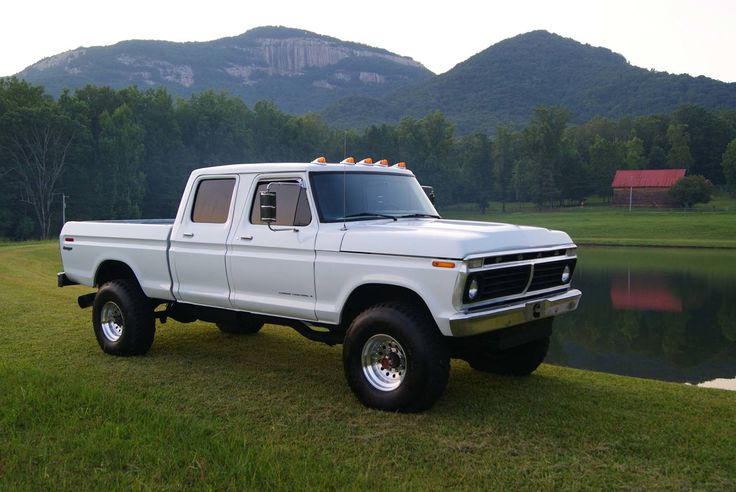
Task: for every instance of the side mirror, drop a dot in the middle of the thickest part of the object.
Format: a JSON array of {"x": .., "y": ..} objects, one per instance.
[
  {"x": 268, "y": 206},
  {"x": 430, "y": 192}
]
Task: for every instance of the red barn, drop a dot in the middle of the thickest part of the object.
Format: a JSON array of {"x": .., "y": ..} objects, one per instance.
[{"x": 645, "y": 188}]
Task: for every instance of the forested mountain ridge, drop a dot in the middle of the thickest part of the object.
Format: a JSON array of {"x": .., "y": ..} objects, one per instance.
[
  {"x": 299, "y": 70},
  {"x": 505, "y": 82}
]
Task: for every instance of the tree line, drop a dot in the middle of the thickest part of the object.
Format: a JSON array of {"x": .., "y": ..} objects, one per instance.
[{"x": 117, "y": 154}]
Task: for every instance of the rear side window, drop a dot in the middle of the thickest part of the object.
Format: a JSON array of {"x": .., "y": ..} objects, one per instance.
[
  {"x": 292, "y": 205},
  {"x": 212, "y": 200}
]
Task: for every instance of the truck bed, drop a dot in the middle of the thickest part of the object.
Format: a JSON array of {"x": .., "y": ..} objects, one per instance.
[{"x": 140, "y": 244}]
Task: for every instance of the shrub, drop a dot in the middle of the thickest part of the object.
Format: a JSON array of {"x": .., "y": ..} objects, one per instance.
[{"x": 691, "y": 190}]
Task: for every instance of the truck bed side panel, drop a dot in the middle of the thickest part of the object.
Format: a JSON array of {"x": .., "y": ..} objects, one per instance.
[{"x": 141, "y": 246}]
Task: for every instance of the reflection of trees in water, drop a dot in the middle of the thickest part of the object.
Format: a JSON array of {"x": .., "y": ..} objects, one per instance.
[
  {"x": 684, "y": 342},
  {"x": 727, "y": 320}
]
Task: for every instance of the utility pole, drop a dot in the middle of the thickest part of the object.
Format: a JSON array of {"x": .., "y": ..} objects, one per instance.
[
  {"x": 631, "y": 193},
  {"x": 63, "y": 209}
]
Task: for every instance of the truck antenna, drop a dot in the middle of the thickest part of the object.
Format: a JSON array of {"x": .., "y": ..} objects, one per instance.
[{"x": 344, "y": 196}]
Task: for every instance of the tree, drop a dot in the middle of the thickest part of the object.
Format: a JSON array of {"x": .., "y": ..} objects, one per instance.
[
  {"x": 122, "y": 182},
  {"x": 634, "y": 152},
  {"x": 37, "y": 140},
  {"x": 729, "y": 166},
  {"x": 477, "y": 169},
  {"x": 505, "y": 154},
  {"x": 545, "y": 150},
  {"x": 709, "y": 134},
  {"x": 606, "y": 157},
  {"x": 691, "y": 190},
  {"x": 679, "y": 154}
]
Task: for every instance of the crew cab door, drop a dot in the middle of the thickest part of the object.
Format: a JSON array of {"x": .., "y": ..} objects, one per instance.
[
  {"x": 199, "y": 242},
  {"x": 271, "y": 270}
]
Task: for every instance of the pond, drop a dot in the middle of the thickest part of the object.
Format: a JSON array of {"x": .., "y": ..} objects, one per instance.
[{"x": 657, "y": 313}]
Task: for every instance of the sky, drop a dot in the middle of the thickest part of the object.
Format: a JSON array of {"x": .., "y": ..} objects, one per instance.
[{"x": 677, "y": 36}]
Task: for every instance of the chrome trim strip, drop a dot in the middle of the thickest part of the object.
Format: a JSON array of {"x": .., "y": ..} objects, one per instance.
[
  {"x": 517, "y": 251},
  {"x": 499, "y": 300}
]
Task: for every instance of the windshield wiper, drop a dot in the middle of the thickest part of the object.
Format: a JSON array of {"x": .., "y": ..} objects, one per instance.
[
  {"x": 429, "y": 216},
  {"x": 370, "y": 214}
]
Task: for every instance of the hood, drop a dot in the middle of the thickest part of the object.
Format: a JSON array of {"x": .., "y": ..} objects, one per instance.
[{"x": 437, "y": 238}]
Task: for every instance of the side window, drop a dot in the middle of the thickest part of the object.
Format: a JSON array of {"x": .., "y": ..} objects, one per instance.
[
  {"x": 212, "y": 200},
  {"x": 292, "y": 209}
]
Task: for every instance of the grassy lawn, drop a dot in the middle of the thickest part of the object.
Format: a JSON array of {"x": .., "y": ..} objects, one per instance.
[
  {"x": 272, "y": 411},
  {"x": 619, "y": 227}
]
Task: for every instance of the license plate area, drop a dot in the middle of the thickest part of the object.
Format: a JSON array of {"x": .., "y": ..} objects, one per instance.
[{"x": 536, "y": 310}]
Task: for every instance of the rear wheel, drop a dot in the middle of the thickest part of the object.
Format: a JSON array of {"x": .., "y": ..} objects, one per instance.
[
  {"x": 395, "y": 359},
  {"x": 122, "y": 319},
  {"x": 517, "y": 361}
]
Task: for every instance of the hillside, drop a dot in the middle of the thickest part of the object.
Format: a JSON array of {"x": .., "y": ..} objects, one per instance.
[
  {"x": 300, "y": 70},
  {"x": 503, "y": 84}
]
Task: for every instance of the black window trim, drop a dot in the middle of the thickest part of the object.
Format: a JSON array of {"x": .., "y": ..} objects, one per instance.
[
  {"x": 279, "y": 179},
  {"x": 213, "y": 177}
]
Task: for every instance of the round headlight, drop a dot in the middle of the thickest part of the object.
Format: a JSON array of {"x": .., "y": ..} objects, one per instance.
[
  {"x": 473, "y": 289},
  {"x": 566, "y": 274}
]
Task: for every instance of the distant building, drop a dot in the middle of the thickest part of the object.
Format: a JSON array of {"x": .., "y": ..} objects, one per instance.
[{"x": 645, "y": 188}]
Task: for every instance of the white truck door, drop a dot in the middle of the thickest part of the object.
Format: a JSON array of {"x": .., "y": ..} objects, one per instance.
[
  {"x": 272, "y": 271},
  {"x": 199, "y": 242}
]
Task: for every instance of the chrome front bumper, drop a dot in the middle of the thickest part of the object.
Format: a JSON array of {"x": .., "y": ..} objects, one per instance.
[{"x": 468, "y": 324}]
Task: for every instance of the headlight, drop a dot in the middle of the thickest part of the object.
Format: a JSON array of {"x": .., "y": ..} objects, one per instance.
[
  {"x": 476, "y": 263},
  {"x": 566, "y": 274},
  {"x": 473, "y": 290}
]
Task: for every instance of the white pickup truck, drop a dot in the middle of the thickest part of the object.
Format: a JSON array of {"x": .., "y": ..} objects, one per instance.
[{"x": 351, "y": 253}]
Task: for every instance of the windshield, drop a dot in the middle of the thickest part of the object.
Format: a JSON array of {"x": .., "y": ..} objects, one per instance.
[{"x": 369, "y": 196}]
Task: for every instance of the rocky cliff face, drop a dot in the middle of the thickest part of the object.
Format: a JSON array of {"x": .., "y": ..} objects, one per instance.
[{"x": 299, "y": 70}]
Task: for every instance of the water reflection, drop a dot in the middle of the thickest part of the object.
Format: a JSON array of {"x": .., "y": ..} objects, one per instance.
[
  {"x": 653, "y": 313},
  {"x": 643, "y": 293}
]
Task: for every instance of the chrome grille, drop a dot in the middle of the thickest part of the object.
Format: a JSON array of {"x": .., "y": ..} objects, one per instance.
[
  {"x": 547, "y": 275},
  {"x": 500, "y": 282},
  {"x": 515, "y": 280}
]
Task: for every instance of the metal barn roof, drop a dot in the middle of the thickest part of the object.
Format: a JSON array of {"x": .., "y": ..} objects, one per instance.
[{"x": 647, "y": 178}]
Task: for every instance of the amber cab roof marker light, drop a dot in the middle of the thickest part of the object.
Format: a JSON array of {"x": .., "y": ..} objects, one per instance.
[
  {"x": 367, "y": 161},
  {"x": 443, "y": 264},
  {"x": 319, "y": 160},
  {"x": 348, "y": 160},
  {"x": 400, "y": 165},
  {"x": 382, "y": 162}
]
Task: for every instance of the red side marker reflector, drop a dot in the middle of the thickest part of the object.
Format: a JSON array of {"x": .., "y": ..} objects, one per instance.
[
  {"x": 69, "y": 239},
  {"x": 443, "y": 264}
]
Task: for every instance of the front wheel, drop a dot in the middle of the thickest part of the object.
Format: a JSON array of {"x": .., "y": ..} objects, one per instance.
[
  {"x": 122, "y": 319},
  {"x": 395, "y": 359}
]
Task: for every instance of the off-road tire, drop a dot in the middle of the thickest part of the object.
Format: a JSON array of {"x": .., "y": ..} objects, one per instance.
[
  {"x": 137, "y": 324},
  {"x": 244, "y": 328},
  {"x": 517, "y": 361},
  {"x": 427, "y": 359}
]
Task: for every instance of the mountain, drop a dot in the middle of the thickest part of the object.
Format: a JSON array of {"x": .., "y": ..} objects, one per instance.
[
  {"x": 355, "y": 85},
  {"x": 300, "y": 70},
  {"x": 505, "y": 82}
]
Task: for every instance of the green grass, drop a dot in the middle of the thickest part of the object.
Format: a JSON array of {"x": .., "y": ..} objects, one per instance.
[
  {"x": 272, "y": 411},
  {"x": 711, "y": 225},
  {"x": 617, "y": 227}
]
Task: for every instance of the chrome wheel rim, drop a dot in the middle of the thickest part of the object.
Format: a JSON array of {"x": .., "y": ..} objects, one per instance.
[
  {"x": 112, "y": 321},
  {"x": 384, "y": 362}
]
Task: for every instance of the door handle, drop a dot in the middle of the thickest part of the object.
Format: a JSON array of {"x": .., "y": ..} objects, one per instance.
[
  {"x": 188, "y": 234},
  {"x": 246, "y": 238}
]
